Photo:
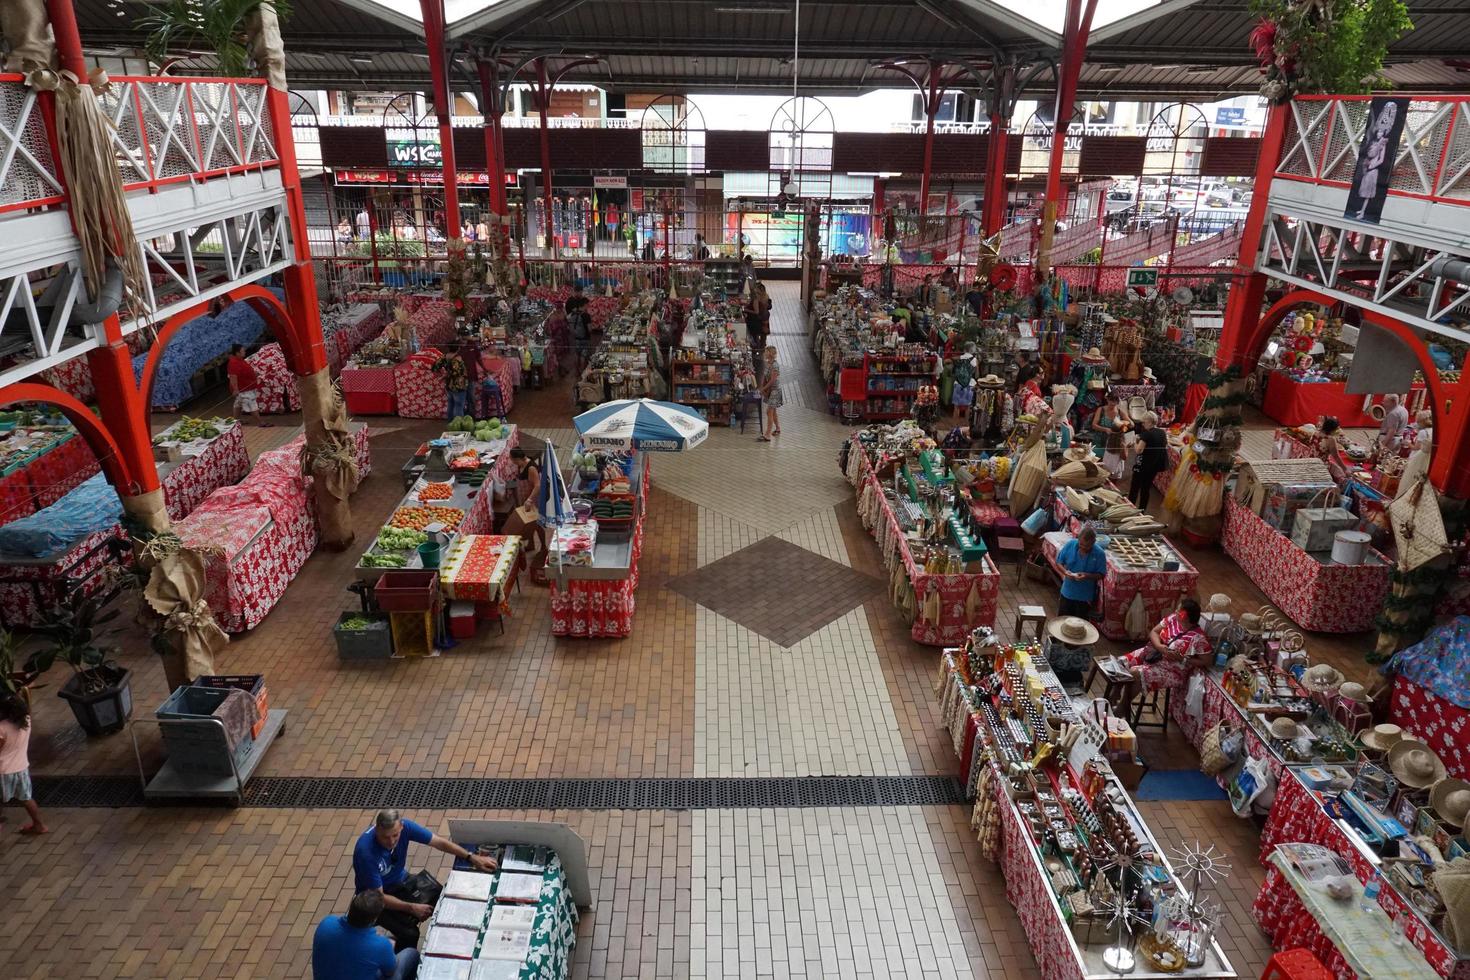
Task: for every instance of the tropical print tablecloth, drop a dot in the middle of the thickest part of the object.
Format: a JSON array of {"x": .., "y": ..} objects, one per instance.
[
  {"x": 197, "y": 343},
  {"x": 479, "y": 566}
]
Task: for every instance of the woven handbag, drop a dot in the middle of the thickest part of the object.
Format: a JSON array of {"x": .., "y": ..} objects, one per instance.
[{"x": 1212, "y": 759}]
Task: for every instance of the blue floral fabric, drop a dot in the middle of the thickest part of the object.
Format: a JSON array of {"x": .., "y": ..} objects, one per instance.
[
  {"x": 198, "y": 342},
  {"x": 1440, "y": 662},
  {"x": 91, "y": 507}
]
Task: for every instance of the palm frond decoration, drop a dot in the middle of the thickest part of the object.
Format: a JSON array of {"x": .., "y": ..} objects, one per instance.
[{"x": 174, "y": 26}]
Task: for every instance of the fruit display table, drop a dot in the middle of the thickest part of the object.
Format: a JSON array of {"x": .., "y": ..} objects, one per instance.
[
  {"x": 1328, "y": 598},
  {"x": 1161, "y": 589}
]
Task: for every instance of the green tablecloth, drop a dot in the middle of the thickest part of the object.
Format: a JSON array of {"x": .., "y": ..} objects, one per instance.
[{"x": 1364, "y": 938}]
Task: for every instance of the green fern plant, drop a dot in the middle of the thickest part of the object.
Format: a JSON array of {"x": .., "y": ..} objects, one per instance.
[{"x": 216, "y": 24}]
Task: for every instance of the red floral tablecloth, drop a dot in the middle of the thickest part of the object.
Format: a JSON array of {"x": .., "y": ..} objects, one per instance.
[
  {"x": 26, "y": 591},
  {"x": 1325, "y": 598},
  {"x": 1160, "y": 590},
  {"x": 223, "y": 461},
  {"x": 75, "y": 377},
  {"x": 370, "y": 380},
  {"x": 1029, "y": 893},
  {"x": 966, "y": 600},
  {"x": 1443, "y": 725},
  {"x": 1297, "y": 816},
  {"x": 1218, "y": 706},
  {"x": 601, "y": 608},
  {"x": 277, "y": 393},
  {"x": 55, "y": 474},
  {"x": 420, "y": 391}
]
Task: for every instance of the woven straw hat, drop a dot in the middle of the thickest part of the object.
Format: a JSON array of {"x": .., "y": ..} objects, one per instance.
[
  {"x": 1074, "y": 631},
  {"x": 1285, "y": 728},
  {"x": 1323, "y": 678},
  {"x": 1219, "y": 602},
  {"x": 1450, "y": 800},
  {"x": 1353, "y": 691},
  {"x": 1415, "y": 764},
  {"x": 1381, "y": 738}
]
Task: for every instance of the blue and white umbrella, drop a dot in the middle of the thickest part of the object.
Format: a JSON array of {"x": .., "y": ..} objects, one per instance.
[
  {"x": 641, "y": 423},
  {"x": 552, "y": 500}
]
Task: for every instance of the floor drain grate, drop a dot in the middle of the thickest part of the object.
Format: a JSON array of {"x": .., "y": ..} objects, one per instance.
[{"x": 351, "y": 793}]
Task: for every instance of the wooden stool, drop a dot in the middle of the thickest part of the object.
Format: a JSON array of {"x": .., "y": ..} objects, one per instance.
[
  {"x": 1149, "y": 701},
  {"x": 1029, "y": 615},
  {"x": 1295, "y": 964},
  {"x": 1113, "y": 688}
]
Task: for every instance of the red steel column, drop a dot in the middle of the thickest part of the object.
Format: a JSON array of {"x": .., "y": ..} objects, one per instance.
[
  {"x": 491, "y": 109},
  {"x": 1247, "y": 286},
  {"x": 300, "y": 277},
  {"x": 118, "y": 399},
  {"x": 993, "y": 209},
  {"x": 1074, "y": 49},
  {"x": 433, "y": 11},
  {"x": 543, "y": 106}
]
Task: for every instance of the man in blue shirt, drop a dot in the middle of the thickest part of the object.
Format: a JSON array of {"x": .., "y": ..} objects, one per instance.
[
  {"x": 1082, "y": 565},
  {"x": 348, "y": 947},
  {"x": 380, "y": 864}
]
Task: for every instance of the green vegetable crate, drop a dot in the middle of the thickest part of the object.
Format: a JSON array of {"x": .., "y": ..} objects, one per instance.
[{"x": 363, "y": 636}]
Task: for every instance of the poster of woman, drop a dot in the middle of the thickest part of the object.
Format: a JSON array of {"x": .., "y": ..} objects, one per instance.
[{"x": 1376, "y": 156}]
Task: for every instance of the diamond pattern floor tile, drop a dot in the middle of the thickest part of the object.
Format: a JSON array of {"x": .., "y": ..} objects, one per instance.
[{"x": 778, "y": 589}]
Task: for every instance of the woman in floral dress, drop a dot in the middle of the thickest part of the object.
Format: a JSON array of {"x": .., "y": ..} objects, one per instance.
[{"x": 1176, "y": 647}]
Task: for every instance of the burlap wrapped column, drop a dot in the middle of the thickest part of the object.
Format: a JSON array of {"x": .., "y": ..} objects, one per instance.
[{"x": 329, "y": 456}]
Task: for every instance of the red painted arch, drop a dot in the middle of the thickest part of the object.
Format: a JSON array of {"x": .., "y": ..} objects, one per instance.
[
  {"x": 88, "y": 425},
  {"x": 1298, "y": 298}
]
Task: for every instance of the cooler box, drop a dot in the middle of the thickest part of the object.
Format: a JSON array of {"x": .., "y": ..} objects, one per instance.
[{"x": 462, "y": 620}]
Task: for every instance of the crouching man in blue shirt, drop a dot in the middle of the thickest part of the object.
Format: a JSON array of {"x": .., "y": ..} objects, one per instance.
[
  {"x": 379, "y": 864},
  {"x": 348, "y": 947}
]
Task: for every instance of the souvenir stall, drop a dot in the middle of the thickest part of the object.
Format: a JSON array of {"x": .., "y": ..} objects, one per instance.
[
  {"x": 1146, "y": 577},
  {"x": 344, "y": 330},
  {"x": 711, "y": 370},
  {"x": 1095, "y": 892},
  {"x": 42, "y": 459},
  {"x": 1431, "y": 693},
  {"x": 421, "y": 394},
  {"x": 368, "y": 386},
  {"x": 256, "y": 535},
  {"x": 1308, "y": 556},
  {"x": 195, "y": 357},
  {"x": 600, "y": 308},
  {"x": 1344, "y": 817},
  {"x": 76, "y": 546},
  {"x": 940, "y": 573},
  {"x": 625, "y": 365}
]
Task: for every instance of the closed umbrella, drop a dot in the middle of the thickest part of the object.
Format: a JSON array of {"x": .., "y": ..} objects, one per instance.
[
  {"x": 641, "y": 423},
  {"x": 552, "y": 500}
]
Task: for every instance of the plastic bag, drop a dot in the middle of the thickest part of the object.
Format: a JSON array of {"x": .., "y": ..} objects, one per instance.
[
  {"x": 1253, "y": 790},
  {"x": 1135, "y": 621},
  {"x": 1194, "y": 696}
]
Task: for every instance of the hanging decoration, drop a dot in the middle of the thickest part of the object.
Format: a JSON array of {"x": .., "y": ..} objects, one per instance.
[{"x": 1331, "y": 46}]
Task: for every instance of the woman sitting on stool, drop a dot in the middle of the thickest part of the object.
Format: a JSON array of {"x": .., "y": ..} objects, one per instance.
[{"x": 1176, "y": 648}]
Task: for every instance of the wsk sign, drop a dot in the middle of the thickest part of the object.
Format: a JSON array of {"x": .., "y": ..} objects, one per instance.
[{"x": 414, "y": 152}]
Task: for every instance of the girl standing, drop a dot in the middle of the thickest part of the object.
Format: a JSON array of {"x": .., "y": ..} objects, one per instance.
[
  {"x": 15, "y": 763},
  {"x": 771, "y": 395}
]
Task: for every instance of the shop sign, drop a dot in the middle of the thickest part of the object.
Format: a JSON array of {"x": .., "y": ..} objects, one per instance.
[
  {"x": 1229, "y": 116},
  {"x": 414, "y": 152},
  {"x": 1143, "y": 278},
  {"x": 608, "y": 183},
  {"x": 365, "y": 176}
]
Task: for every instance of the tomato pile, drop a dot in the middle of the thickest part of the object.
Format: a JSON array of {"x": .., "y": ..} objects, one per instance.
[{"x": 418, "y": 518}]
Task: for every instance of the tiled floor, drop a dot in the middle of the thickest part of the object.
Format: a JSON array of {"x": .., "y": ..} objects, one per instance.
[{"x": 764, "y": 645}]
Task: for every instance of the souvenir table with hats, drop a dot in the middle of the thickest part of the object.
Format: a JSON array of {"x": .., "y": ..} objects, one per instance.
[
  {"x": 940, "y": 572},
  {"x": 1146, "y": 570},
  {"x": 1431, "y": 692},
  {"x": 1394, "y": 825},
  {"x": 1053, "y": 813}
]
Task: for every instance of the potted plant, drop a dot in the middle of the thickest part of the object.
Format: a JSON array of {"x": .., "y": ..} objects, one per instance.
[
  {"x": 99, "y": 690},
  {"x": 13, "y": 679},
  {"x": 225, "y": 26}
]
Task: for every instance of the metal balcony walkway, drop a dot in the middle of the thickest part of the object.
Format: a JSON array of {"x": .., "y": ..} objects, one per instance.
[
  {"x": 1414, "y": 263},
  {"x": 201, "y": 171}
]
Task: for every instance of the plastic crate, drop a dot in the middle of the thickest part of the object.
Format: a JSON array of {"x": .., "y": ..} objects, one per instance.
[
  {"x": 373, "y": 642},
  {"x": 251, "y": 684},
  {"x": 413, "y": 633},
  {"x": 201, "y": 746},
  {"x": 407, "y": 591}
]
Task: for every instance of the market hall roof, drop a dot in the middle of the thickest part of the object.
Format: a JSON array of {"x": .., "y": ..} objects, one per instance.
[{"x": 1140, "y": 49}]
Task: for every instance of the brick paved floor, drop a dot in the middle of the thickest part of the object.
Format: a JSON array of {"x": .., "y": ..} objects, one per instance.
[{"x": 710, "y": 684}]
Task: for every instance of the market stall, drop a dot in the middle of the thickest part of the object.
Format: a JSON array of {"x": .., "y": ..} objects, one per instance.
[
  {"x": 947, "y": 584},
  {"x": 1347, "y": 817},
  {"x": 626, "y": 365},
  {"x": 195, "y": 356},
  {"x": 593, "y": 565},
  {"x": 1431, "y": 693},
  {"x": 420, "y": 391},
  {"x": 443, "y": 525},
  {"x": 1317, "y": 594},
  {"x": 1292, "y": 401},
  {"x": 1151, "y": 571},
  {"x": 257, "y": 534},
  {"x": 42, "y": 459},
  {"x": 77, "y": 547},
  {"x": 368, "y": 383},
  {"x": 1071, "y": 844},
  {"x": 712, "y": 369}
]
